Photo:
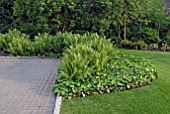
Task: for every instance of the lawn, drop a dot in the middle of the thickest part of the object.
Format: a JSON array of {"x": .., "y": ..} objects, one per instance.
[{"x": 150, "y": 99}]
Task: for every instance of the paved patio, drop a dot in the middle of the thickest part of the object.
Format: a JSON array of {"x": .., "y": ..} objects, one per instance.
[{"x": 26, "y": 85}]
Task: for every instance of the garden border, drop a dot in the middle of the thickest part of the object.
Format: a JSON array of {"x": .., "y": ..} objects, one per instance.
[
  {"x": 27, "y": 57},
  {"x": 57, "y": 105}
]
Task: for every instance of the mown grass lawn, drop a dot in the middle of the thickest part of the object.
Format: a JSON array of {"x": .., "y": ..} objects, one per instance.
[{"x": 150, "y": 99}]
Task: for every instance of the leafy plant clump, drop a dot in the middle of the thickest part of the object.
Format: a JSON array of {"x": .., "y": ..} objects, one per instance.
[
  {"x": 16, "y": 43},
  {"x": 44, "y": 44},
  {"x": 82, "y": 73}
]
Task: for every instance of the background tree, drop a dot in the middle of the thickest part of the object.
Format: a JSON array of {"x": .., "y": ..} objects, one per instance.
[
  {"x": 6, "y": 15},
  {"x": 158, "y": 14}
]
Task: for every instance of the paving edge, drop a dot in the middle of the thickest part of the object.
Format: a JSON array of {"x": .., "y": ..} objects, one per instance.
[
  {"x": 57, "y": 105},
  {"x": 27, "y": 57}
]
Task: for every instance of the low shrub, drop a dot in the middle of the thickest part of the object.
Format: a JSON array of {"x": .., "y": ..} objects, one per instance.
[
  {"x": 21, "y": 47},
  {"x": 1, "y": 41},
  {"x": 147, "y": 34},
  {"x": 48, "y": 45},
  {"x": 141, "y": 45},
  {"x": 83, "y": 61},
  {"x": 42, "y": 43},
  {"x": 167, "y": 38},
  {"x": 19, "y": 44},
  {"x": 126, "y": 44},
  {"x": 153, "y": 46},
  {"x": 123, "y": 72},
  {"x": 165, "y": 47},
  {"x": 79, "y": 63},
  {"x": 93, "y": 68},
  {"x": 85, "y": 56},
  {"x": 16, "y": 43}
]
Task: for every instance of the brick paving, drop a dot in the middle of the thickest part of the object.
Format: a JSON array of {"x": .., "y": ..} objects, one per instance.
[{"x": 26, "y": 85}]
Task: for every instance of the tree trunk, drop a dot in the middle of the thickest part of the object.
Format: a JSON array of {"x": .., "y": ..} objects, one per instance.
[
  {"x": 64, "y": 27},
  {"x": 124, "y": 35},
  {"x": 125, "y": 23},
  {"x": 55, "y": 29},
  {"x": 119, "y": 31},
  {"x": 159, "y": 26}
]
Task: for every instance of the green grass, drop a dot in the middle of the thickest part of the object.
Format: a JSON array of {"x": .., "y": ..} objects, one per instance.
[{"x": 150, "y": 99}]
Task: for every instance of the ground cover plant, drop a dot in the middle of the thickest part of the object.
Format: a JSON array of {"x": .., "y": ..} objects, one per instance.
[
  {"x": 151, "y": 99},
  {"x": 92, "y": 66}
]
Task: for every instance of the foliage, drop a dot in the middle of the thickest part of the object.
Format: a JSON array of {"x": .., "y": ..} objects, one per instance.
[
  {"x": 89, "y": 67},
  {"x": 42, "y": 43},
  {"x": 126, "y": 44},
  {"x": 37, "y": 16},
  {"x": 19, "y": 44},
  {"x": 140, "y": 45},
  {"x": 6, "y": 15},
  {"x": 80, "y": 62},
  {"x": 165, "y": 47},
  {"x": 158, "y": 15},
  {"x": 16, "y": 43},
  {"x": 150, "y": 35},
  {"x": 48, "y": 45},
  {"x": 134, "y": 101},
  {"x": 124, "y": 72},
  {"x": 167, "y": 38},
  {"x": 153, "y": 46},
  {"x": 127, "y": 20},
  {"x": 83, "y": 60}
]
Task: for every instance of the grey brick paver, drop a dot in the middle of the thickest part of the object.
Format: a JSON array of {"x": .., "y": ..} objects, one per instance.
[{"x": 26, "y": 85}]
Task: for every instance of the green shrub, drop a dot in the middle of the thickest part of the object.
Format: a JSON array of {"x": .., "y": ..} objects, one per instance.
[
  {"x": 126, "y": 44},
  {"x": 69, "y": 39},
  {"x": 150, "y": 35},
  {"x": 34, "y": 16},
  {"x": 124, "y": 72},
  {"x": 42, "y": 43},
  {"x": 16, "y": 43},
  {"x": 21, "y": 47},
  {"x": 53, "y": 45},
  {"x": 1, "y": 41},
  {"x": 79, "y": 63},
  {"x": 141, "y": 45},
  {"x": 86, "y": 58},
  {"x": 6, "y": 15},
  {"x": 153, "y": 46},
  {"x": 93, "y": 40},
  {"x": 19, "y": 44},
  {"x": 164, "y": 47},
  {"x": 91, "y": 66},
  {"x": 57, "y": 45},
  {"x": 167, "y": 38}
]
